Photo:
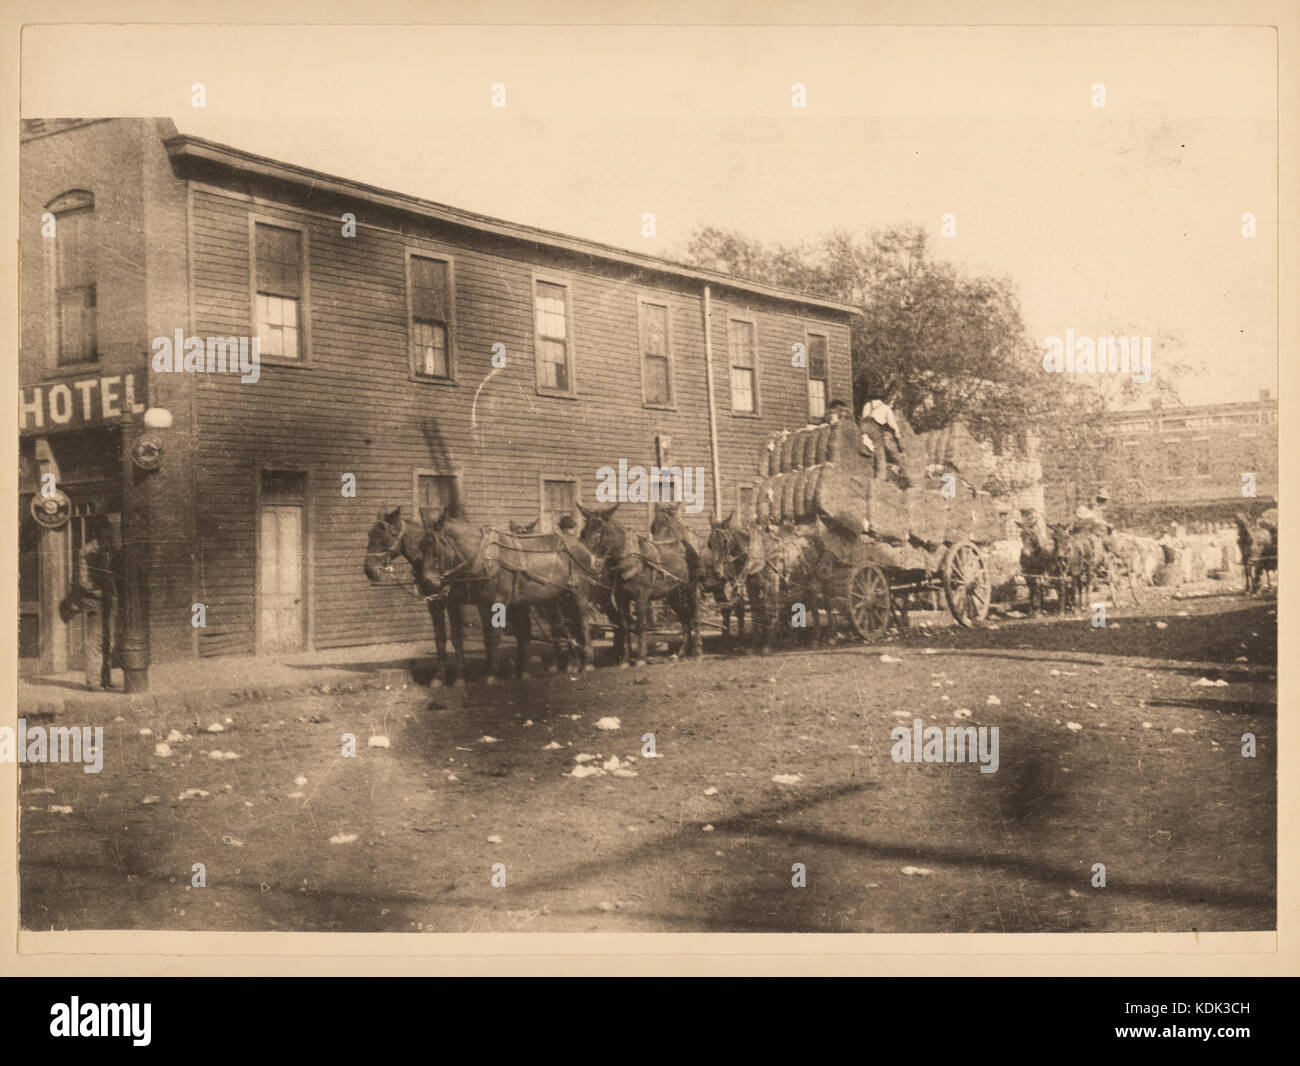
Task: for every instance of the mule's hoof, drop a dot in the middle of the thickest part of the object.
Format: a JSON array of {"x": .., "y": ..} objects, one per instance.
[
  {"x": 489, "y": 680},
  {"x": 551, "y": 668},
  {"x": 587, "y": 668},
  {"x": 624, "y": 665},
  {"x": 640, "y": 662},
  {"x": 436, "y": 683},
  {"x": 458, "y": 683}
]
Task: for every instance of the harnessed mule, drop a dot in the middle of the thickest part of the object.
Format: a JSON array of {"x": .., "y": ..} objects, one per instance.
[
  {"x": 1042, "y": 560},
  {"x": 744, "y": 560},
  {"x": 392, "y": 536},
  {"x": 499, "y": 571},
  {"x": 640, "y": 569}
]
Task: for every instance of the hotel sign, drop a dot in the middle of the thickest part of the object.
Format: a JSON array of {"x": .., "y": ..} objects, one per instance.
[{"x": 77, "y": 403}]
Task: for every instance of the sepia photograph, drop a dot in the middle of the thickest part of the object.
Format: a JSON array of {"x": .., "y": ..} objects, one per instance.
[{"x": 648, "y": 479}]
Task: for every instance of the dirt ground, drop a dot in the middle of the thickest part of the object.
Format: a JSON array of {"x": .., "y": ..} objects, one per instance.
[{"x": 1112, "y": 750}]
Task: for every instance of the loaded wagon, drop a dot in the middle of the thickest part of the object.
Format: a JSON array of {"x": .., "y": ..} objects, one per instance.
[{"x": 886, "y": 530}]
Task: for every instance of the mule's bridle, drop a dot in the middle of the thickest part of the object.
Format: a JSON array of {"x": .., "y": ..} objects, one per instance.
[
  {"x": 390, "y": 553},
  {"x": 736, "y": 553}
]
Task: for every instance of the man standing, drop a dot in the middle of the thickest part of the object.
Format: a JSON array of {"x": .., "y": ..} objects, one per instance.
[
  {"x": 881, "y": 434},
  {"x": 97, "y": 583}
]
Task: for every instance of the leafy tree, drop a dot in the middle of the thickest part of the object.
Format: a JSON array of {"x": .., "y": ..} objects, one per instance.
[
  {"x": 934, "y": 343},
  {"x": 943, "y": 346},
  {"x": 940, "y": 345}
]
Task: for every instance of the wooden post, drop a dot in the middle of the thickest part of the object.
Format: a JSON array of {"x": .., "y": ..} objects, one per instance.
[
  {"x": 713, "y": 413},
  {"x": 133, "y": 617}
]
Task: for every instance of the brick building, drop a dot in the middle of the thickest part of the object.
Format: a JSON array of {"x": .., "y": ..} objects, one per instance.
[
  {"x": 1183, "y": 464},
  {"x": 431, "y": 355}
]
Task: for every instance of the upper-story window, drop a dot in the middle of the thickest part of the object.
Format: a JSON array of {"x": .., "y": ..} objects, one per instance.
[
  {"x": 656, "y": 365},
  {"x": 741, "y": 356},
  {"x": 818, "y": 375},
  {"x": 430, "y": 316},
  {"x": 74, "y": 278},
  {"x": 280, "y": 283},
  {"x": 553, "y": 337},
  {"x": 440, "y": 493}
]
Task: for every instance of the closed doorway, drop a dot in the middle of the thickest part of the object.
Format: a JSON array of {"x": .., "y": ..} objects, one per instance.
[{"x": 281, "y": 562}]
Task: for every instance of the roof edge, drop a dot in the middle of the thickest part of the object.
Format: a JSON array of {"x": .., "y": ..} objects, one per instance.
[{"x": 186, "y": 146}]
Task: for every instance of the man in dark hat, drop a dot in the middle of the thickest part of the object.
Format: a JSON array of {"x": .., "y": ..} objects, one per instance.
[
  {"x": 836, "y": 411},
  {"x": 96, "y": 579}
]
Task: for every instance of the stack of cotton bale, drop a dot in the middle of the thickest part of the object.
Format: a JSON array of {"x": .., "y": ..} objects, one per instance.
[
  {"x": 953, "y": 449},
  {"x": 822, "y": 471},
  {"x": 1151, "y": 554}
]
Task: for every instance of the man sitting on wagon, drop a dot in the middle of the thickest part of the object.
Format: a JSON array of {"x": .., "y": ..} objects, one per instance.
[{"x": 1092, "y": 519}]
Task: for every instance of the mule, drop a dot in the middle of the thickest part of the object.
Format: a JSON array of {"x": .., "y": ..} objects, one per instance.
[
  {"x": 392, "y": 536},
  {"x": 729, "y": 596},
  {"x": 1258, "y": 543},
  {"x": 506, "y": 573},
  {"x": 745, "y": 560},
  {"x": 1041, "y": 560},
  {"x": 1083, "y": 561},
  {"x": 806, "y": 570},
  {"x": 640, "y": 569}
]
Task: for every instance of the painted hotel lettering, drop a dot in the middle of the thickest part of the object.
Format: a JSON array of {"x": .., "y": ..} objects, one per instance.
[{"x": 85, "y": 401}]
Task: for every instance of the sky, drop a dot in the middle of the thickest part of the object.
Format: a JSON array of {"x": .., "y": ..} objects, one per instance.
[{"x": 1122, "y": 219}]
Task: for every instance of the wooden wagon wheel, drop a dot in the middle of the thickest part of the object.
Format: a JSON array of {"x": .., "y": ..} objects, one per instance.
[
  {"x": 868, "y": 600},
  {"x": 966, "y": 583}
]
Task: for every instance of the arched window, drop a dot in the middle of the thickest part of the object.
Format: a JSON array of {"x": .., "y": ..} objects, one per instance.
[{"x": 74, "y": 277}]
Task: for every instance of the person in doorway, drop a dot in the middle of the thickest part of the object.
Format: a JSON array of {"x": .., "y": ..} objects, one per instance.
[{"x": 96, "y": 579}]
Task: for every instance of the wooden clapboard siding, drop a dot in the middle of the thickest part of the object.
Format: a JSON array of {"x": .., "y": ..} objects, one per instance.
[
  {"x": 353, "y": 408},
  {"x": 782, "y": 387}
]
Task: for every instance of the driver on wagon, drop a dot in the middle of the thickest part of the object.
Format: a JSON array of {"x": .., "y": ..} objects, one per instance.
[{"x": 1093, "y": 518}]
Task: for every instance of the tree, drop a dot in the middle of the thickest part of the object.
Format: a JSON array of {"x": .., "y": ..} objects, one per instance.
[
  {"x": 935, "y": 344},
  {"x": 940, "y": 345}
]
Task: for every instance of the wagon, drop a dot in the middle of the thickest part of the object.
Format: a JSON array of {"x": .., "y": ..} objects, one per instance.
[
  {"x": 883, "y": 538},
  {"x": 1122, "y": 568},
  {"x": 874, "y": 582}
]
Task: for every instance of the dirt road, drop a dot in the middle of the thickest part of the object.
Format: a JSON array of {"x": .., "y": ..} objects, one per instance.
[{"x": 1116, "y": 747}]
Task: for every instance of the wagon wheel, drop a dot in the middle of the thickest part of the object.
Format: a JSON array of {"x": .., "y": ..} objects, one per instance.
[
  {"x": 966, "y": 583},
  {"x": 868, "y": 600}
]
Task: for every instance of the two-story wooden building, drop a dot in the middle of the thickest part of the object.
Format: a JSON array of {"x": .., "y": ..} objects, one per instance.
[{"x": 410, "y": 353}]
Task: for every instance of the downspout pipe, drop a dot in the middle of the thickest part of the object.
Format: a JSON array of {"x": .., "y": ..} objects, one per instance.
[{"x": 713, "y": 408}]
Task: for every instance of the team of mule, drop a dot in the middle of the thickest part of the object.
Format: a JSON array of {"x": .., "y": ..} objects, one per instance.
[{"x": 514, "y": 577}]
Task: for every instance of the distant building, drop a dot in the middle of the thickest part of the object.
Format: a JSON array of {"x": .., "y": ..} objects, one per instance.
[{"x": 1187, "y": 464}]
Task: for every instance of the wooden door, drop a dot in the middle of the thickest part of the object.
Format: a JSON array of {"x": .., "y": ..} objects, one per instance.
[{"x": 280, "y": 568}]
